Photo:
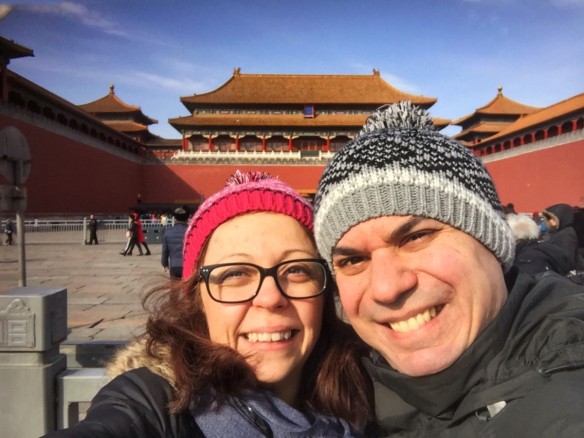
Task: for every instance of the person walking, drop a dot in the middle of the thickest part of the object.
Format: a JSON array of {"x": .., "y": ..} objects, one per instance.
[
  {"x": 9, "y": 231},
  {"x": 172, "y": 244},
  {"x": 132, "y": 234},
  {"x": 141, "y": 237},
  {"x": 92, "y": 226}
]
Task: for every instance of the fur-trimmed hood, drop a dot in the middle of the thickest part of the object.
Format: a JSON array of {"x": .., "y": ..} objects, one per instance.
[
  {"x": 562, "y": 213},
  {"x": 135, "y": 355}
]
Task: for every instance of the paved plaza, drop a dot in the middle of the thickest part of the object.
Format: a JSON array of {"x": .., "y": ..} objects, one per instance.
[{"x": 104, "y": 289}]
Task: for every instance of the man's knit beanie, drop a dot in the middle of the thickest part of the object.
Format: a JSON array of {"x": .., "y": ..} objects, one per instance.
[
  {"x": 244, "y": 192},
  {"x": 400, "y": 165}
]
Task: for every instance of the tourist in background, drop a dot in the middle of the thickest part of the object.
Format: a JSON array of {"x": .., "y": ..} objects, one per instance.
[
  {"x": 132, "y": 236},
  {"x": 172, "y": 244},
  {"x": 92, "y": 227},
  {"x": 559, "y": 219},
  {"x": 9, "y": 230},
  {"x": 532, "y": 255},
  {"x": 141, "y": 241}
]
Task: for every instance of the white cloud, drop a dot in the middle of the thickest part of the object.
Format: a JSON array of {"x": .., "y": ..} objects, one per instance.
[
  {"x": 182, "y": 86},
  {"x": 77, "y": 12}
]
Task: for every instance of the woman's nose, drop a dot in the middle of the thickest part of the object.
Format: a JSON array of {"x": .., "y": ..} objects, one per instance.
[{"x": 269, "y": 294}]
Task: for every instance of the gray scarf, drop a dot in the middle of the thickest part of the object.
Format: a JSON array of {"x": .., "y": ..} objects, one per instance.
[{"x": 262, "y": 414}]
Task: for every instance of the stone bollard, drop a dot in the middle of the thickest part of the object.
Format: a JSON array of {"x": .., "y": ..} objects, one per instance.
[{"x": 33, "y": 323}]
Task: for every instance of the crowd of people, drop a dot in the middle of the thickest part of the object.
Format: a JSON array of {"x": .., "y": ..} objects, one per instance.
[
  {"x": 551, "y": 241},
  {"x": 447, "y": 331}
]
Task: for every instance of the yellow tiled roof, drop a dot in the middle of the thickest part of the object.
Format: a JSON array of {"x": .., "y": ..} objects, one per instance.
[
  {"x": 113, "y": 104},
  {"x": 482, "y": 128},
  {"x": 305, "y": 89},
  {"x": 126, "y": 125},
  {"x": 563, "y": 108},
  {"x": 500, "y": 105}
]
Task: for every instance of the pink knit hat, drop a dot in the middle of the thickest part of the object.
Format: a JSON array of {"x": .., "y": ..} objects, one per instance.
[{"x": 244, "y": 193}]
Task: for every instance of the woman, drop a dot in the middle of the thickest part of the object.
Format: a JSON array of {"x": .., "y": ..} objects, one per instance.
[
  {"x": 141, "y": 236},
  {"x": 248, "y": 344}
]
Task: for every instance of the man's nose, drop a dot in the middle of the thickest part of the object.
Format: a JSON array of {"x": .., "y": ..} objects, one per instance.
[{"x": 391, "y": 277}]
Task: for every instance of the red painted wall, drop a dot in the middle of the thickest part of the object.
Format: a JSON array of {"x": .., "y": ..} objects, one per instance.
[
  {"x": 68, "y": 177},
  {"x": 187, "y": 183},
  {"x": 73, "y": 178},
  {"x": 534, "y": 181}
]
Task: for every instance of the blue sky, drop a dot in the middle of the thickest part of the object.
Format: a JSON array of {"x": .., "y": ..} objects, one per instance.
[{"x": 458, "y": 51}]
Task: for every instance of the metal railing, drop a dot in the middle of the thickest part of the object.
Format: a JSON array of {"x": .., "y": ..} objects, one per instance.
[{"x": 76, "y": 231}]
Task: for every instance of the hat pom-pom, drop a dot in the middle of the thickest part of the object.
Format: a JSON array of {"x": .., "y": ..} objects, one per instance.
[
  {"x": 239, "y": 178},
  {"x": 400, "y": 115}
]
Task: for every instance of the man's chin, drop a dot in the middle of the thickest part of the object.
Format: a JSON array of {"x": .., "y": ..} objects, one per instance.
[{"x": 421, "y": 363}]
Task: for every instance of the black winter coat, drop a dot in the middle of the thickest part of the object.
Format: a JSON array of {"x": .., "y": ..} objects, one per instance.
[
  {"x": 534, "y": 257},
  {"x": 523, "y": 376}
]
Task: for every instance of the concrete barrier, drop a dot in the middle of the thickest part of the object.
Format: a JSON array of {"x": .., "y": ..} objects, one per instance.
[{"x": 33, "y": 323}]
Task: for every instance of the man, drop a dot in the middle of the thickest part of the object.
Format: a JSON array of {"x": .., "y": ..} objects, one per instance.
[
  {"x": 172, "y": 244},
  {"x": 462, "y": 345},
  {"x": 92, "y": 225},
  {"x": 9, "y": 231}
]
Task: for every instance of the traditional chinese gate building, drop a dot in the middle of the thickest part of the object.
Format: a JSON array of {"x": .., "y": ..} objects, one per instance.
[
  {"x": 285, "y": 113},
  {"x": 288, "y": 125}
]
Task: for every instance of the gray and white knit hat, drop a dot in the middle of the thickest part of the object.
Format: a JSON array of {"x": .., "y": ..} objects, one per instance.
[{"x": 400, "y": 165}]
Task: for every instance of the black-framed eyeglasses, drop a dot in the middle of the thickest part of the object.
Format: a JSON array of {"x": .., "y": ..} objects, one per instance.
[{"x": 240, "y": 282}]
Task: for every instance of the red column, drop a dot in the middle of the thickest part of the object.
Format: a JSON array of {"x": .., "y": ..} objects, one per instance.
[
  {"x": 327, "y": 146},
  {"x": 264, "y": 147},
  {"x": 237, "y": 146},
  {"x": 290, "y": 144},
  {"x": 210, "y": 143},
  {"x": 185, "y": 142}
]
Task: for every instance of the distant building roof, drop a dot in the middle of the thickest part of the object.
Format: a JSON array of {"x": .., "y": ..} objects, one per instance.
[
  {"x": 112, "y": 104},
  {"x": 11, "y": 50},
  {"x": 553, "y": 112},
  {"x": 264, "y": 89},
  {"x": 501, "y": 106}
]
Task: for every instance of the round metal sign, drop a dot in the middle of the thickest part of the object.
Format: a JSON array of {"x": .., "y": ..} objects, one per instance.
[{"x": 14, "y": 156}]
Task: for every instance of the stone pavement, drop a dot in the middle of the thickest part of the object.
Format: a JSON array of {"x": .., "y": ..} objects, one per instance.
[{"x": 104, "y": 289}]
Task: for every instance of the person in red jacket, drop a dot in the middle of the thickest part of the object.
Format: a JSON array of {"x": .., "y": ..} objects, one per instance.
[{"x": 141, "y": 237}]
